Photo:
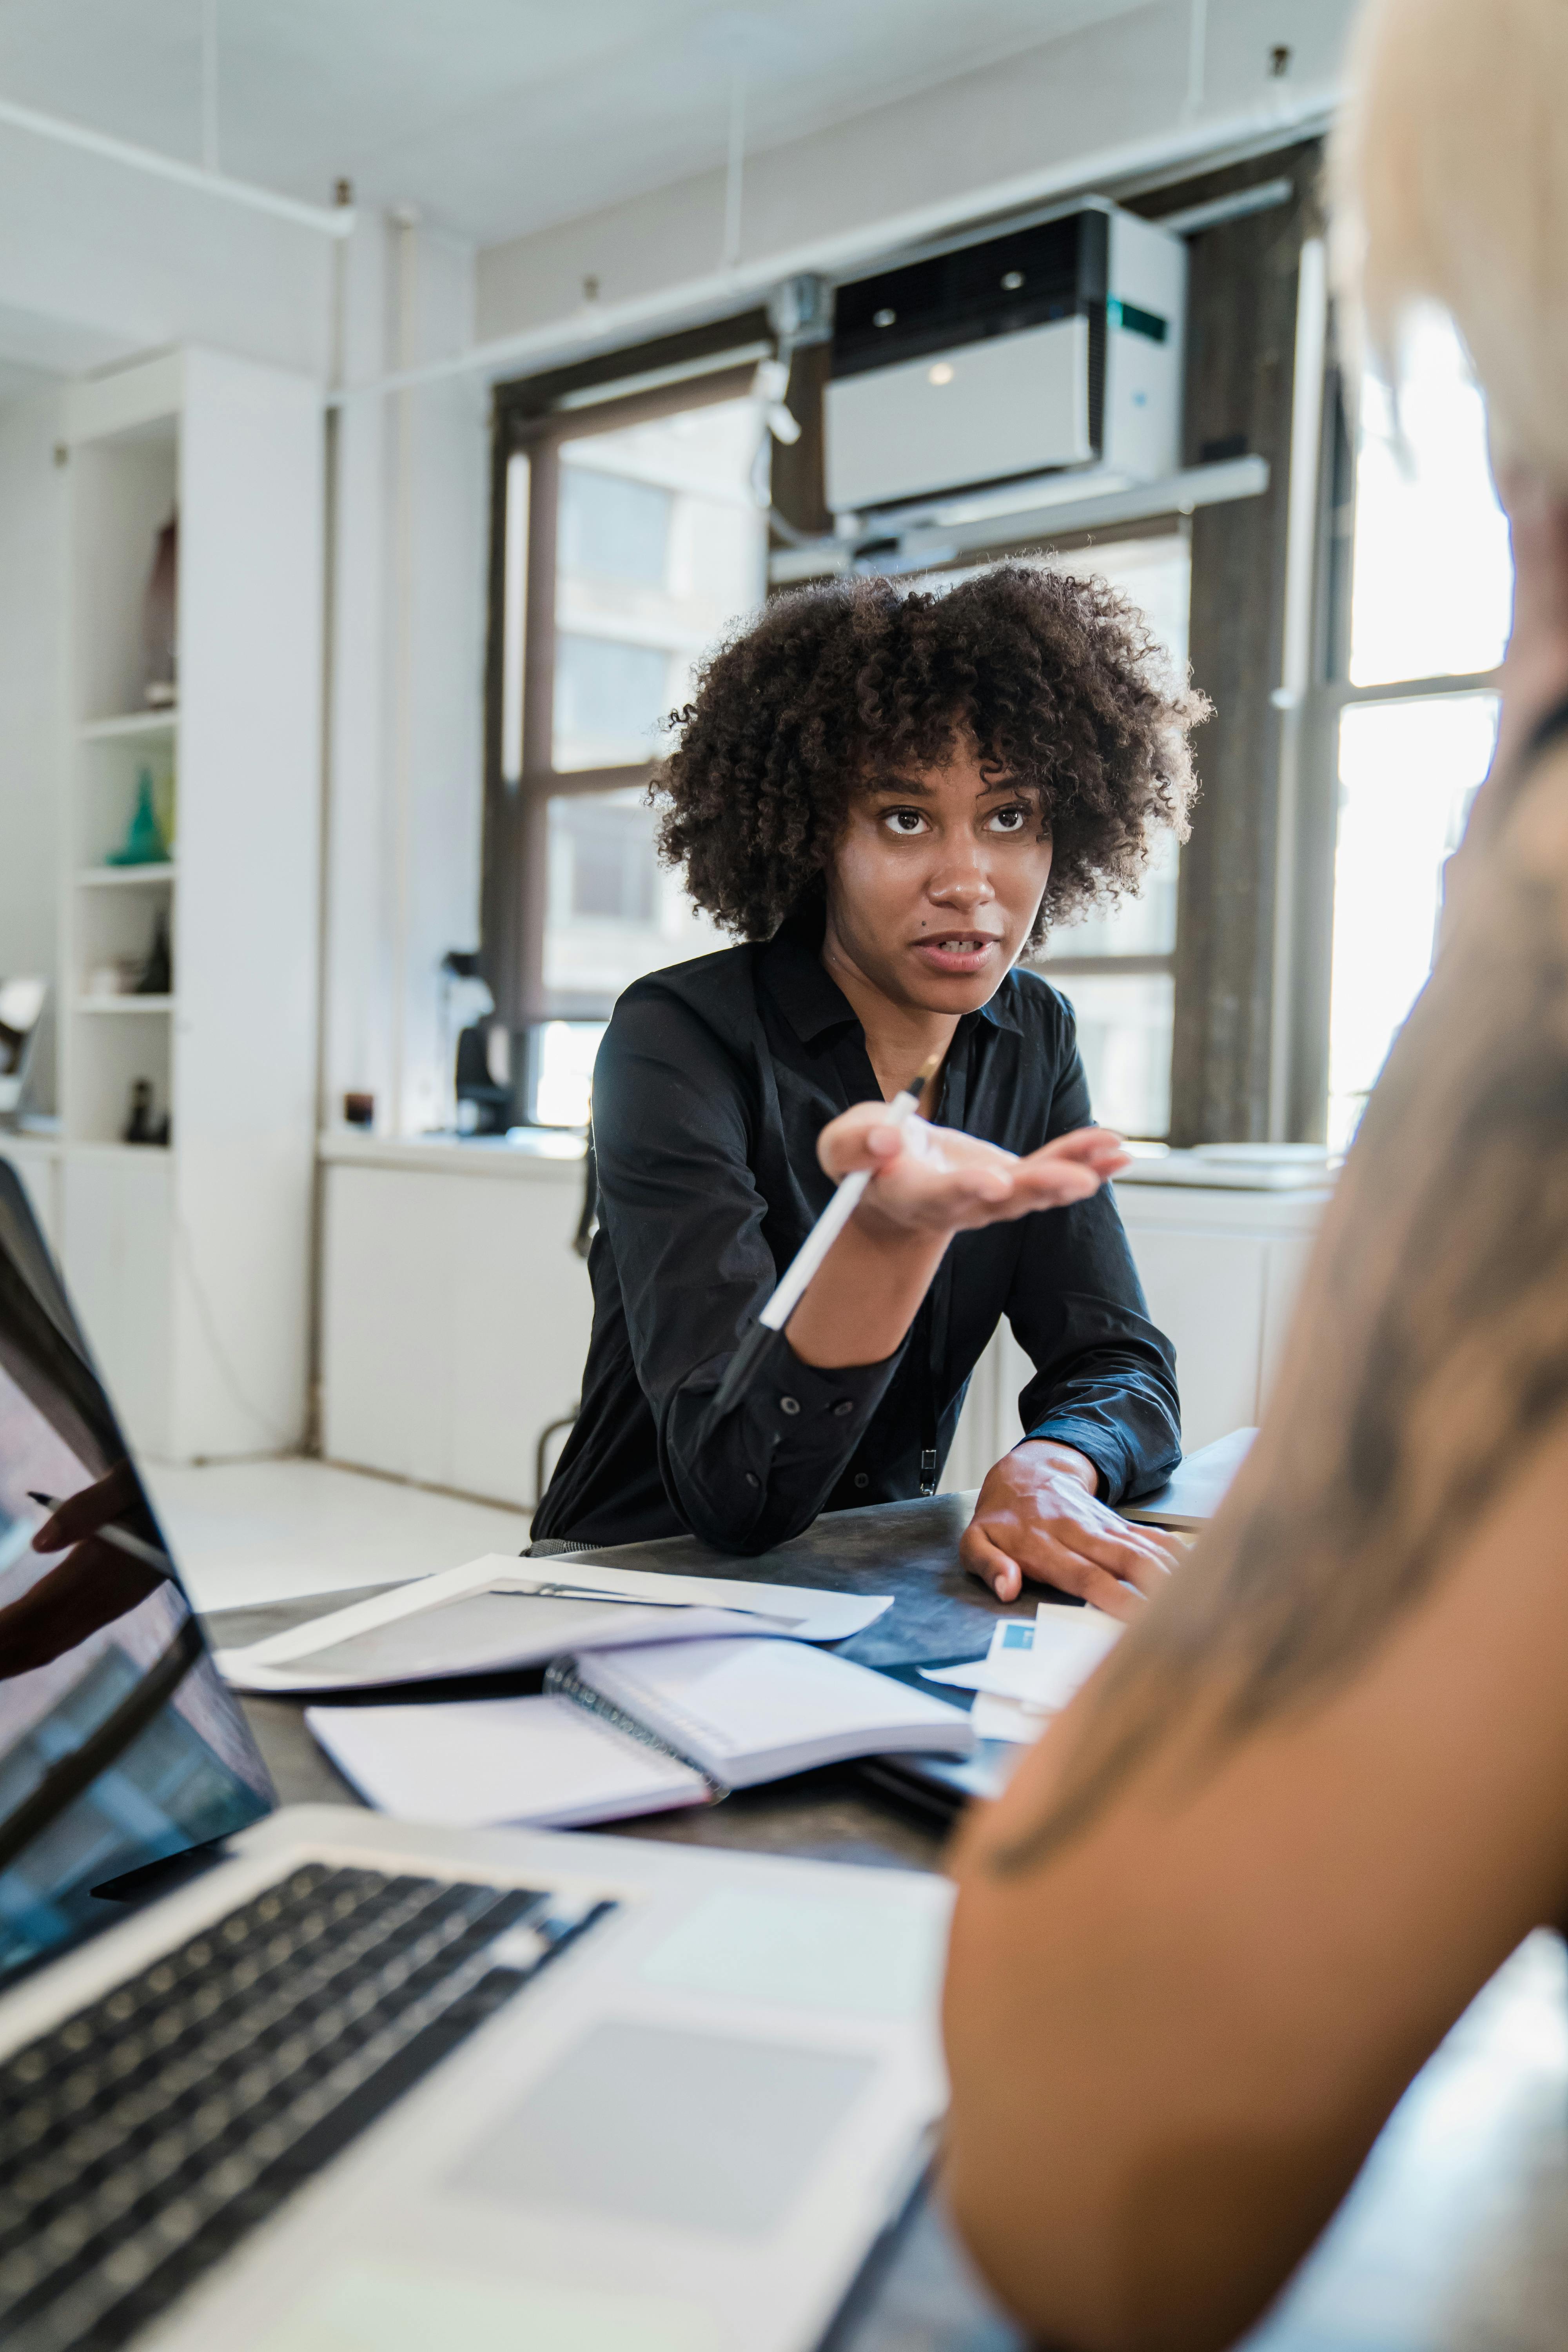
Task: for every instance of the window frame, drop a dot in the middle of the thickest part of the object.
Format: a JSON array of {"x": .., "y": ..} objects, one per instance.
[
  {"x": 515, "y": 886},
  {"x": 1240, "y": 369},
  {"x": 1328, "y": 694}
]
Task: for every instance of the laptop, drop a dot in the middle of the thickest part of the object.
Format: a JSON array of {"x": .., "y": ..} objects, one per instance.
[
  {"x": 1196, "y": 1488},
  {"x": 314, "y": 2079}
]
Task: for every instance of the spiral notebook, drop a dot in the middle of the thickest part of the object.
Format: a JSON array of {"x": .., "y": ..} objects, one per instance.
[{"x": 637, "y": 1730}]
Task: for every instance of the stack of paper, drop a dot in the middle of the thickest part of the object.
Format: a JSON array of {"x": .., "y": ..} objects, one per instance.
[
  {"x": 1031, "y": 1670},
  {"x": 496, "y": 1615}
]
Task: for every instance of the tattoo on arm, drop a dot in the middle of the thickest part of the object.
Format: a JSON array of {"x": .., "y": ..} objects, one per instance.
[{"x": 1430, "y": 1356}]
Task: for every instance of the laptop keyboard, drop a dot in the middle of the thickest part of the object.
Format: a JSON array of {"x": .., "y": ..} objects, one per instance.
[{"x": 141, "y": 2138}]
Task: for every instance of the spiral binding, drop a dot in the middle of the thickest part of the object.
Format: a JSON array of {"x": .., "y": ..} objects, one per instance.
[{"x": 562, "y": 1681}]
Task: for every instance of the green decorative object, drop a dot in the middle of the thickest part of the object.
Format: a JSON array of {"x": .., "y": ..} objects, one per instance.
[{"x": 145, "y": 844}]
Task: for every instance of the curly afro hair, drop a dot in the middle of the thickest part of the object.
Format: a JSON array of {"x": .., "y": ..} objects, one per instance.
[{"x": 1054, "y": 679}]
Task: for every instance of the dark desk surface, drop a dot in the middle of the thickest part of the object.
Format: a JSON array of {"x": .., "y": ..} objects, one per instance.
[{"x": 1456, "y": 2237}]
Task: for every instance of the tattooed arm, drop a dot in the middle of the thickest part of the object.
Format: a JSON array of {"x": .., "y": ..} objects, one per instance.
[{"x": 1236, "y": 1896}]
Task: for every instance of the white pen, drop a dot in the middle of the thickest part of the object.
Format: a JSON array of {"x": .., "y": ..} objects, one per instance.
[
  {"x": 840, "y": 1209},
  {"x": 806, "y": 1260}
]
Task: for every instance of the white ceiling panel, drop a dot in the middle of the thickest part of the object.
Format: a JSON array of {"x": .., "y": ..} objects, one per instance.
[{"x": 495, "y": 116}]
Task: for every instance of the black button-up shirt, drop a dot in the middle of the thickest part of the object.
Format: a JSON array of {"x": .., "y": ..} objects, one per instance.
[{"x": 712, "y": 1083}]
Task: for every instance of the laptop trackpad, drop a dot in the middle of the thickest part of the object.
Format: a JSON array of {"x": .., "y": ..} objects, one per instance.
[{"x": 692, "y": 2130}]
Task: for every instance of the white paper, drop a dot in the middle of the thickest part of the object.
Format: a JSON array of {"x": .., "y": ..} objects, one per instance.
[
  {"x": 1039, "y": 1666},
  {"x": 486, "y": 1634},
  {"x": 811, "y": 1612},
  {"x": 679, "y": 1607},
  {"x": 994, "y": 1717},
  {"x": 973, "y": 1675},
  {"x": 473, "y": 1763},
  {"x": 364, "y": 1616}
]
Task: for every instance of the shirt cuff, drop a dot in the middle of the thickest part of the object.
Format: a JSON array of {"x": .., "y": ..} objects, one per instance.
[
  {"x": 800, "y": 1418},
  {"x": 1093, "y": 1441},
  {"x": 848, "y": 1393}
]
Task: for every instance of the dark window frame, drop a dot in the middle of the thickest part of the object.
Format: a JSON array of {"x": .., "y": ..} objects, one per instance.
[
  {"x": 1241, "y": 358},
  {"x": 532, "y": 421},
  {"x": 1328, "y": 695}
]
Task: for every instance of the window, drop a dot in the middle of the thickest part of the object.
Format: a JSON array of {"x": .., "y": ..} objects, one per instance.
[
  {"x": 631, "y": 541},
  {"x": 1423, "y": 618},
  {"x": 613, "y": 912},
  {"x": 1117, "y": 966},
  {"x": 1408, "y": 771}
]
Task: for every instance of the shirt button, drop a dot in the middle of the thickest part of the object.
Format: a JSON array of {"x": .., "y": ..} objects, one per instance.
[
  {"x": 861, "y": 1479},
  {"x": 753, "y": 1479},
  {"x": 844, "y": 1405},
  {"x": 789, "y": 1404}
]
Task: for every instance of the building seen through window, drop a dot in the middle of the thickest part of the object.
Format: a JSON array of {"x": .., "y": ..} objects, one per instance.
[
  {"x": 1126, "y": 1010},
  {"x": 661, "y": 551},
  {"x": 1431, "y": 588}
]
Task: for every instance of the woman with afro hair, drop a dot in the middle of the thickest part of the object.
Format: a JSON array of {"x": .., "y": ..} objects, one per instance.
[{"x": 888, "y": 796}]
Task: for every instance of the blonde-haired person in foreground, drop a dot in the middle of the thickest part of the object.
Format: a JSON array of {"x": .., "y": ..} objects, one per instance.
[{"x": 1238, "y": 1893}]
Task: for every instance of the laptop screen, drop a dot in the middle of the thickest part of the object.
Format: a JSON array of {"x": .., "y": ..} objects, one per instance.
[{"x": 119, "y": 1745}]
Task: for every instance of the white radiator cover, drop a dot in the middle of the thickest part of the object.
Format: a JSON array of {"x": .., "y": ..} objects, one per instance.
[{"x": 1018, "y": 405}]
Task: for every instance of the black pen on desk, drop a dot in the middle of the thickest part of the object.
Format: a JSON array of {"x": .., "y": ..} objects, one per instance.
[
  {"x": 146, "y": 1554},
  {"x": 808, "y": 1259}
]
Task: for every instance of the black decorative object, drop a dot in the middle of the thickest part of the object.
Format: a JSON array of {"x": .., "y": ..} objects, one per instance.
[
  {"x": 158, "y": 972},
  {"x": 143, "y": 1125},
  {"x": 160, "y": 621}
]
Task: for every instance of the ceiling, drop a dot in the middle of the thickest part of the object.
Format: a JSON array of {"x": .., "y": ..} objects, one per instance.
[{"x": 495, "y": 116}]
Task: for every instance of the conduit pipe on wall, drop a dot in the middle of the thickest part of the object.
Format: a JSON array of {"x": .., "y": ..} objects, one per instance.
[
  {"x": 606, "y": 326},
  {"x": 326, "y": 220}
]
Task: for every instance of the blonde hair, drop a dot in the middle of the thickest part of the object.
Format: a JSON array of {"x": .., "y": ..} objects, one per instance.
[{"x": 1449, "y": 178}]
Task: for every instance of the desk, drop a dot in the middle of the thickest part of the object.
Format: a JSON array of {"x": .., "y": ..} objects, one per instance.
[{"x": 1456, "y": 2237}]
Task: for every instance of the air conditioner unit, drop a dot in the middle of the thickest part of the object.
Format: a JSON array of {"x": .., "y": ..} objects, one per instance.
[{"x": 1057, "y": 346}]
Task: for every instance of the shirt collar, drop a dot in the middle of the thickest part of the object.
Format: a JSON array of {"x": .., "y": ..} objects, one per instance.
[
  {"x": 792, "y": 964},
  {"x": 813, "y": 1003}
]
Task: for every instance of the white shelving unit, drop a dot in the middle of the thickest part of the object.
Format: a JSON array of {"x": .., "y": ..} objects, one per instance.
[
  {"x": 121, "y": 877},
  {"x": 190, "y": 1263}
]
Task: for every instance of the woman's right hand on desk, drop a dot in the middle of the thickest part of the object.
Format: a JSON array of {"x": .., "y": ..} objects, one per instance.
[
  {"x": 1038, "y": 1518},
  {"x": 936, "y": 1180}
]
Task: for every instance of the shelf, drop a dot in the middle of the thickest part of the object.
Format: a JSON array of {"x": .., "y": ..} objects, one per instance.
[
  {"x": 121, "y": 877},
  {"x": 133, "y": 722},
  {"x": 93, "y": 1147},
  {"x": 123, "y": 1004},
  {"x": 930, "y": 533}
]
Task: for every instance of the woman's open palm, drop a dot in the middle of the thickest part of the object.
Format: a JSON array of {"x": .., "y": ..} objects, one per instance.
[{"x": 938, "y": 1179}]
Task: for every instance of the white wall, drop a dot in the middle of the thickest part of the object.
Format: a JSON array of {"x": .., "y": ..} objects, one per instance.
[
  {"x": 32, "y": 562},
  {"x": 408, "y": 678},
  {"x": 98, "y": 262},
  {"x": 97, "y": 266},
  {"x": 1093, "y": 105}
]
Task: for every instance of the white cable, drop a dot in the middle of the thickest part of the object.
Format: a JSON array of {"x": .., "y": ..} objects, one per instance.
[
  {"x": 281, "y": 1438},
  {"x": 209, "y": 86},
  {"x": 329, "y": 222},
  {"x": 1197, "y": 57},
  {"x": 734, "y": 173}
]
